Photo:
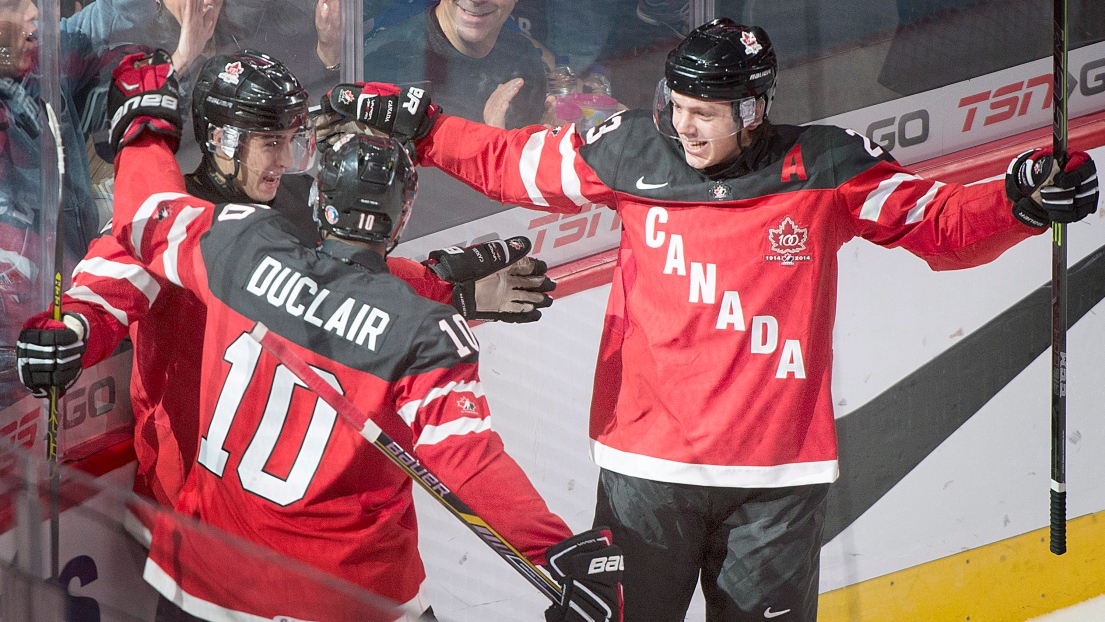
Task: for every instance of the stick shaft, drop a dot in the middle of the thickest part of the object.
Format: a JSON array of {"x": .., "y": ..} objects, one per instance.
[
  {"x": 1058, "y": 543},
  {"x": 404, "y": 460},
  {"x": 52, "y": 418}
]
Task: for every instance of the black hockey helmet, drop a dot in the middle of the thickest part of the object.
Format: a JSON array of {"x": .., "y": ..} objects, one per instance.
[
  {"x": 723, "y": 61},
  {"x": 250, "y": 91},
  {"x": 365, "y": 187}
]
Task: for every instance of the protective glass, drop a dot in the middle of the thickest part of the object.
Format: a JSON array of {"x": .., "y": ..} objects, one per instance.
[{"x": 702, "y": 120}]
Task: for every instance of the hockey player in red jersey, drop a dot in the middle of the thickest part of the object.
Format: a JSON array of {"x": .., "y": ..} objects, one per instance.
[
  {"x": 275, "y": 466},
  {"x": 711, "y": 416},
  {"x": 250, "y": 115}
]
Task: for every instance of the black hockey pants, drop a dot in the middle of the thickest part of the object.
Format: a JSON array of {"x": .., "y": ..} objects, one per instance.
[{"x": 756, "y": 551}]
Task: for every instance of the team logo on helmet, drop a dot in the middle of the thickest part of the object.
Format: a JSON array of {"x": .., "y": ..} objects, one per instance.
[
  {"x": 721, "y": 191},
  {"x": 231, "y": 72},
  {"x": 345, "y": 96},
  {"x": 331, "y": 214},
  {"x": 751, "y": 45},
  {"x": 788, "y": 242}
]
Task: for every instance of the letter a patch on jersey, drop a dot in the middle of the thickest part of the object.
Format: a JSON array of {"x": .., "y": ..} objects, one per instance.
[{"x": 792, "y": 165}]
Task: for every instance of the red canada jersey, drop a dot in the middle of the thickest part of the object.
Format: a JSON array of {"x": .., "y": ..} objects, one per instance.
[
  {"x": 275, "y": 465},
  {"x": 715, "y": 361},
  {"x": 117, "y": 295}
]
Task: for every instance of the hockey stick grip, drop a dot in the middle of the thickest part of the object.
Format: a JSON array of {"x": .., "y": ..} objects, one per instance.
[
  {"x": 404, "y": 460},
  {"x": 1058, "y": 522}
]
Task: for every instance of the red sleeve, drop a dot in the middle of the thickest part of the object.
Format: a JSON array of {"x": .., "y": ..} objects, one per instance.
[
  {"x": 532, "y": 166},
  {"x": 111, "y": 290},
  {"x": 950, "y": 226},
  {"x": 449, "y": 417},
  {"x": 424, "y": 281},
  {"x": 155, "y": 221}
]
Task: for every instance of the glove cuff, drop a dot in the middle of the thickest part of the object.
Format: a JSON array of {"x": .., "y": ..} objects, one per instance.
[{"x": 464, "y": 299}]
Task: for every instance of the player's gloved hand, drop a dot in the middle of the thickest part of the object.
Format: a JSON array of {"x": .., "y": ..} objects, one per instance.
[
  {"x": 48, "y": 352},
  {"x": 405, "y": 113},
  {"x": 495, "y": 280},
  {"x": 1072, "y": 194},
  {"x": 1042, "y": 194},
  {"x": 144, "y": 96},
  {"x": 330, "y": 126},
  {"x": 588, "y": 566}
]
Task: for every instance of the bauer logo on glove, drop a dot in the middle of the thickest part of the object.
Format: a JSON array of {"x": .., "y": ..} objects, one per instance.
[{"x": 144, "y": 97}]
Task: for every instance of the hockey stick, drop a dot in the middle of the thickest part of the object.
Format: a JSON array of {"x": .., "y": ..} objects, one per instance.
[
  {"x": 404, "y": 460},
  {"x": 52, "y": 421},
  {"x": 1059, "y": 294}
]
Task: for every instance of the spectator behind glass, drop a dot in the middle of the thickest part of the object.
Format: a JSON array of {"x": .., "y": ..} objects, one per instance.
[
  {"x": 22, "y": 123},
  {"x": 475, "y": 68}
]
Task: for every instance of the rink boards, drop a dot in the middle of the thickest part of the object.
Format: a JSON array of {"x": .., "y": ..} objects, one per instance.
[{"x": 941, "y": 383}]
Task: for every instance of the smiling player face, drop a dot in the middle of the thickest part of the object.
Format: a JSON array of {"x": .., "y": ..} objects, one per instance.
[{"x": 707, "y": 130}]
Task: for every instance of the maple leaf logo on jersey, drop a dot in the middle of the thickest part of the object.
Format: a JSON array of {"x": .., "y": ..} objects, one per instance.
[
  {"x": 788, "y": 242},
  {"x": 751, "y": 45},
  {"x": 466, "y": 405},
  {"x": 231, "y": 72}
]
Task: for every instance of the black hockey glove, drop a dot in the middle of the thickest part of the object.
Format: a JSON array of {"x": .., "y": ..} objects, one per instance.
[
  {"x": 1042, "y": 194},
  {"x": 495, "y": 280},
  {"x": 404, "y": 113},
  {"x": 48, "y": 352},
  {"x": 144, "y": 96},
  {"x": 588, "y": 566}
]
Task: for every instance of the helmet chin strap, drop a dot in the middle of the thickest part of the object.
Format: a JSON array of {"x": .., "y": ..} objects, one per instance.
[{"x": 225, "y": 181}]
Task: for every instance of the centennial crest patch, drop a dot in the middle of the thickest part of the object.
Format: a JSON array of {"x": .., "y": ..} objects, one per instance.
[{"x": 788, "y": 243}]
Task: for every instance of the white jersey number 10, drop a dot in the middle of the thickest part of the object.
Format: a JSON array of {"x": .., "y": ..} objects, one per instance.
[{"x": 242, "y": 356}]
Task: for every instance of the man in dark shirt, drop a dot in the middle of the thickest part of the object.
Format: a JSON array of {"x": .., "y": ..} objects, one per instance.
[{"x": 460, "y": 48}]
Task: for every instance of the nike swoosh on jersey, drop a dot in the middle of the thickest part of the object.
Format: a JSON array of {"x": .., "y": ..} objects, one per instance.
[
  {"x": 643, "y": 185},
  {"x": 768, "y": 613}
]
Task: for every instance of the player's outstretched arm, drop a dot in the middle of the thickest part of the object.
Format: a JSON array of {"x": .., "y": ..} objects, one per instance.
[{"x": 154, "y": 220}]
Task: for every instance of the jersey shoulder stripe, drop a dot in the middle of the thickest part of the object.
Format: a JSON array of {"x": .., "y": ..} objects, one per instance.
[{"x": 635, "y": 159}]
